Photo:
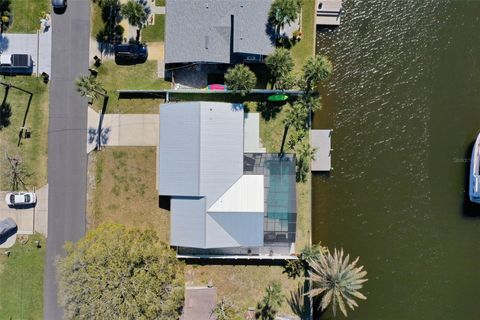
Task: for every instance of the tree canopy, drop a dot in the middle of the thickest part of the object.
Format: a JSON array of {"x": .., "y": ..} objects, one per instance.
[
  {"x": 284, "y": 12},
  {"x": 336, "y": 280},
  {"x": 267, "y": 309},
  {"x": 89, "y": 86},
  {"x": 280, "y": 63},
  {"x": 240, "y": 78},
  {"x": 135, "y": 13},
  {"x": 316, "y": 69},
  {"x": 119, "y": 273}
]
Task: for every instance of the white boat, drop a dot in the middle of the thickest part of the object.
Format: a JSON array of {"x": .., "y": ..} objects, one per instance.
[{"x": 474, "y": 189}]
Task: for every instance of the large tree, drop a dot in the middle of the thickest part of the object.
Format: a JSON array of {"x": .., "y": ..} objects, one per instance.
[
  {"x": 267, "y": 309},
  {"x": 279, "y": 63},
  {"x": 119, "y": 273},
  {"x": 317, "y": 69},
  {"x": 284, "y": 12},
  {"x": 337, "y": 281},
  {"x": 240, "y": 79},
  {"x": 136, "y": 14}
]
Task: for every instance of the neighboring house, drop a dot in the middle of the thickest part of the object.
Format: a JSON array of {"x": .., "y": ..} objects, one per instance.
[
  {"x": 220, "y": 196},
  {"x": 226, "y": 31}
]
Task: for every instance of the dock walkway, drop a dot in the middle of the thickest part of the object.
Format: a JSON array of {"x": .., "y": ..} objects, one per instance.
[
  {"x": 328, "y": 12},
  {"x": 321, "y": 141}
]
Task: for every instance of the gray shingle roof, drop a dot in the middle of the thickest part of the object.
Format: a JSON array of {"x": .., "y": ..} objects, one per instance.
[{"x": 201, "y": 30}]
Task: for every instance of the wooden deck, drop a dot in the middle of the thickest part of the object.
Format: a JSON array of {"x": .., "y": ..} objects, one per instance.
[
  {"x": 321, "y": 141},
  {"x": 328, "y": 12}
]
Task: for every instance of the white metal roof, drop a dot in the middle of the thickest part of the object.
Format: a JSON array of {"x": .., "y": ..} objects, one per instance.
[{"x": 246, "y": 195}]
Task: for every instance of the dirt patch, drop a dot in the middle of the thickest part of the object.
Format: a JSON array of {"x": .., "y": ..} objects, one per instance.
[{"x": 122, "y": 189}]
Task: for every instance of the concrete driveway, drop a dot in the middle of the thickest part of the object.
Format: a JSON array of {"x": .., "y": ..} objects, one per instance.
[
  {"x": 29, "y": 220},
  {"x": 38, "y": 46}
]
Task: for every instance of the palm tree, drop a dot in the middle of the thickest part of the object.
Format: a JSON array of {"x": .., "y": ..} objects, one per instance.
[
  {"x": 305, "y": 155},
  {"x": 279, "y": 63},
  {"x": 315, "y": 70},
  {"x": 136, "y": 14},
  {"x": 284, "y": 12},
  {"x": 88, "y": 86},
  {"x": 296, "y": 117},
  {"x": 337, "y": 281},
  {"x": 240, "y": 78},
  {"x": 268, "y": 308}
]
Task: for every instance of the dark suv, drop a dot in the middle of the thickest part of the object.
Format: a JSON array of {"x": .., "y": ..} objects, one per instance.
[{"x": 130, "y": 53}]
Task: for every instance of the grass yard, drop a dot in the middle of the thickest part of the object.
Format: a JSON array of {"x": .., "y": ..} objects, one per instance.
[
  {"x": 155, "y": 32},
  {"x": 305, "y": 48},
  {"x": 243, "y": 285},
  {"x": 21, "y": 280},
  {"x": 33, "y": 151},
  {"x": 160, "y": 3},
  {"x": 97, "y": 22},
  {"x": 27, "y": 14},
  {"x": 122, "y": 189},
  {"x": 140, "y": 76}
]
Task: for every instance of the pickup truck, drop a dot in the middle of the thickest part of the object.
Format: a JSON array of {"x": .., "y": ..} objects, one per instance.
[{"x": 12, "y": 64}]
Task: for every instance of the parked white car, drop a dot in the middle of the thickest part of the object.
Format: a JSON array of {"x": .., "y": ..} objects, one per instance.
[{"x": 20, "y": 198}]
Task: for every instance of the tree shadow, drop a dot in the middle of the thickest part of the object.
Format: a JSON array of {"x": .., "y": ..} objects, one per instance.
[
  {"x": 112, "y": 32},
  {"x": 269, "y": 110},
  {"x": 5, "y": 114},
  {"x": 20, "y": 134},
  {"x": 4, "y": 43}
]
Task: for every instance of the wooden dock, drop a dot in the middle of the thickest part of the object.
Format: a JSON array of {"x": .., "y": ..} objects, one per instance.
[
  {"x": 328, "y": 12},
  {"x": 321, "y": 141}
]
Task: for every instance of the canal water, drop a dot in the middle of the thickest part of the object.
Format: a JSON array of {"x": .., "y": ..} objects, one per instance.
[{"x": 404, "y": 106}]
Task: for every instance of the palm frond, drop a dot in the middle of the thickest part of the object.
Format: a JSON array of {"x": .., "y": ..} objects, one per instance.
[{"x": 336, "y": 280}]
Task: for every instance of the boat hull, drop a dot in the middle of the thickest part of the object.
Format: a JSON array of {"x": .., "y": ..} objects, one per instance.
[{"x": 474, "y": 185}]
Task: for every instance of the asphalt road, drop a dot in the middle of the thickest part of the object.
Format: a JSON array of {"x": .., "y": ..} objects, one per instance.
[{"x": 67, "y": 158}]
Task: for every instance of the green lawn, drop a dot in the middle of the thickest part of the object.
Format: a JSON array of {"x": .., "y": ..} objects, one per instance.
[
  {"x": 33, "y": 151},
  {"x": 26, "y": 15},
  {"x": 96, "y": 19},
  {"x": 21, "y": 280},
  {"x": 155, "y": 32},
  {"x": 141, "y": 77},
  {"x": 305, "y": 48},
  {"x": 160, "y": 3}
]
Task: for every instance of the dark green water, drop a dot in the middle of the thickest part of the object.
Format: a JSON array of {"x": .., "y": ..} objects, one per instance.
[{"x": 404, "y": 104}]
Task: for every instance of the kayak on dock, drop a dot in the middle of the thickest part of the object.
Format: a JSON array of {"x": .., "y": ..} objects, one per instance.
[{"x": 474, "y": 189}]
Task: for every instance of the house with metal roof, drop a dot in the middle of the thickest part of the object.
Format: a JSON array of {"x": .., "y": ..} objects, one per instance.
[
  {"x": 226, "y": 31},
  {"x": 224, "y": 190}
]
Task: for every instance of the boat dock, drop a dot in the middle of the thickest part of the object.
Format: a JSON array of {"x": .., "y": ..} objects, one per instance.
[
  {"x": 321, "y": 141},
  {"x": 328, "y": 12}
]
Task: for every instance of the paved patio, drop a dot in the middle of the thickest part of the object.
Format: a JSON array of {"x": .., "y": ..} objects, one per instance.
[
  {"x": 199, "y": 303},
  {"x": 123, "y": 130},
  {"x": 38, "y": 46},
  {"x": 29, "y": 220}
]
